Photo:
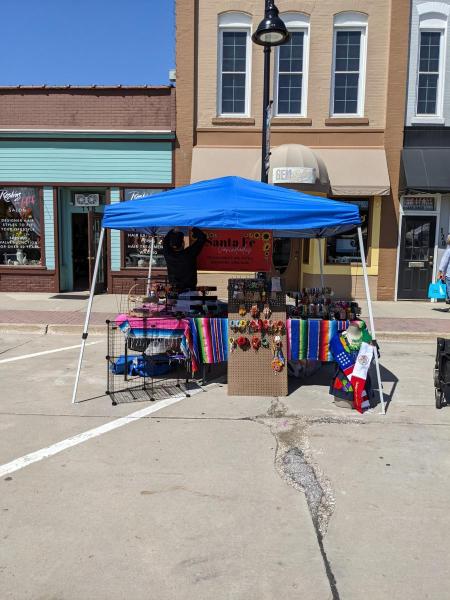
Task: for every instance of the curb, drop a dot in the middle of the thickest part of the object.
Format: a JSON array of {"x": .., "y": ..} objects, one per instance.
[
  {"x": 40, "y": 329},
  {"x": 55, "y": 329}
]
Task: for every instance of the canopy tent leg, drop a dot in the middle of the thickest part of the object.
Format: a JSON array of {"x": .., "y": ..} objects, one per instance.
[
  {"x": 372, "y": 325},
  {"x": 149, "y": 276},
  {"x": 88, "y": 312},
  {"x": 319, "y": 245}
]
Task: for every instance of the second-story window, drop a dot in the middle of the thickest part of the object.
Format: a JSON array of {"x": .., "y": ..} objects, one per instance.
[
  {"x": 234, "y": 60},
  {"x": 291, "y": 68},
  {"x": 349, "y": 64},
  {"x": 429, "y": 73}
]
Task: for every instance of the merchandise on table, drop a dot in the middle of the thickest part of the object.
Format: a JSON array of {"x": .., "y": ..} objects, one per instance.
[
  {"x": 353, "y": 352},
  {"x": 320, "y": 303}
]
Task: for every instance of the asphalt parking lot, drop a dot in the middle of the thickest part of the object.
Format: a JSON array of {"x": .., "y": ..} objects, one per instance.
[{"x": 217, "y": 497}]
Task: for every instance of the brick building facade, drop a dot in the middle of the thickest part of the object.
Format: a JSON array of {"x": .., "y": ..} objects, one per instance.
[
  {"x": 354, "y": 149},
  {"x": 65, "y": 152}
]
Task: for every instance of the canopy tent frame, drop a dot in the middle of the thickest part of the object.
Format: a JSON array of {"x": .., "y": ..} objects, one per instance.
[{"x": 326, "y": 227}]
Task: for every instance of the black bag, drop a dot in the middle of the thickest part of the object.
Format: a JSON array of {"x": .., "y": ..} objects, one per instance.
[{"x": 442, "y": 372}]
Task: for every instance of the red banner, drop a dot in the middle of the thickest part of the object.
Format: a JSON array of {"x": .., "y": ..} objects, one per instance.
[{"x": 236, "y": 250}]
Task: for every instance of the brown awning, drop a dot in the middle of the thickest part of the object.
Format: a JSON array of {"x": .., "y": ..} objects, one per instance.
[
  {"x": 209, "y": 163},
  {"x": 356, "y": 171},
  {"x": 351, "y": 171}
]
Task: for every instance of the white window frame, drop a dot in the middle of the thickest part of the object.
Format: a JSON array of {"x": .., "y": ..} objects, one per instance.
[
  {"x": 351, "y": 21},
  {"x": 236, "y": 22},
  {"x": 295, "y": 22},
  {"x": 432, "y": 22}
]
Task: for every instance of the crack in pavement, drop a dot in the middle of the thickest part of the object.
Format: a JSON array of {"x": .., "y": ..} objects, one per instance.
[{"x": 295, "y": 466}]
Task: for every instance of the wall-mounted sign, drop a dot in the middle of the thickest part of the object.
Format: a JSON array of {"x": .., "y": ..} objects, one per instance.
[
  {"x": 236, "y": 250},
  {"x": 293, "y": 175},
  {"x": 135, "y": 194},
  {"x": 420, "y": 203},
  {"x": 86, "y": 199}
]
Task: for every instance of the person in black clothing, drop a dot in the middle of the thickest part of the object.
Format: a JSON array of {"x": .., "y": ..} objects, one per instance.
[{"x": 182, "y": 262}]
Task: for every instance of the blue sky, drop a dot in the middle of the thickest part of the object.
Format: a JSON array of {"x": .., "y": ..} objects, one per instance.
[{"x": 85, "y": 42}]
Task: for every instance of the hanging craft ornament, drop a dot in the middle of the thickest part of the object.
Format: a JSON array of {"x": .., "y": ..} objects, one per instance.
[
  {"x": 233, "y": 344},
  {"x": 242, "y": 311},
  {"x": 267, "y": 312},
  {"x": 256, "y": 342},
  {"x": 243, "y": 342},
  {"x": 278, "y": 358},
  {"x": 265, "y": 343},
  {"x": 242, "y": 326},
  {"x": 254, "y": 311}
]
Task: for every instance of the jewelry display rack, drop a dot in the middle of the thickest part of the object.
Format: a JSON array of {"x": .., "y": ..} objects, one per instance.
[{"x": 251, "y": 369}]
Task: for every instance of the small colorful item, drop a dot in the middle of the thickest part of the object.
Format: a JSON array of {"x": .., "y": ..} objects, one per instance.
[
  {"x": 242, "y": 311},
  {"x": 242, "y": 325},
  {"x": 256, "y": 342},
  {"x": 254, "y": 311},
  {"x": 243, "y": 342},
  {"x": 233, "y": 344},
  {"x": 267, "y": 312},
  {"x": 265, "y": 343}
]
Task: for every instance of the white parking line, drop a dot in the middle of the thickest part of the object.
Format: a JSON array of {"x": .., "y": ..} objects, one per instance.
[
  {"x": 29, "y": 459},
  {"x": 24, "y": 356}
]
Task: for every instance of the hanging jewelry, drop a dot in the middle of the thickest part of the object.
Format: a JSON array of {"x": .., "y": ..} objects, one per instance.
[
  {"x": 254, "y": 311},
  {"x": 256, "y": 342},
  {"x": 267, "y": 312}
]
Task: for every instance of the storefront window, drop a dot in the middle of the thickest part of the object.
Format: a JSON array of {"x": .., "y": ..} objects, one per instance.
[
  {"x": 20, "y": 227},
  {"x": 344, "y": 249},
  {"x": 138, "y": 245}
]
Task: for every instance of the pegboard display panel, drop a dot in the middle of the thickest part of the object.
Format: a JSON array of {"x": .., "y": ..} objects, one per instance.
[{"x": 250, "y": 371}]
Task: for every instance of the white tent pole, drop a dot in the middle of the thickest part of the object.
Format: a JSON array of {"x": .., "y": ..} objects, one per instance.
[
  {"x": 372, "y": 325},
  {"x": 88, "y": 312},
  {"x": 319, "y": 245},
  {"x": 149, "y": 277}
]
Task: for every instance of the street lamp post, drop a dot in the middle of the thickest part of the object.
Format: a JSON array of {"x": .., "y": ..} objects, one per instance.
[{"x": 271, "y": 32}]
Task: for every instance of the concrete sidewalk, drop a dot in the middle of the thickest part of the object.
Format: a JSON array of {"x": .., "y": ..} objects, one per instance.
[{"x": 65, "y": 313}]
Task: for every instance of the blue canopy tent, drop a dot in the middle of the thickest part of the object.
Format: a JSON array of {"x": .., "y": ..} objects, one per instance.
[{"x": 233, "y": 203}]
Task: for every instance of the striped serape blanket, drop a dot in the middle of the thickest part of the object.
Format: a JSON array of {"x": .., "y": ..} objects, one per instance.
[
  {"x": 141, "y": 327},
  {"x": 210, "y": 339},
  {"x": 310, "y": 338}
]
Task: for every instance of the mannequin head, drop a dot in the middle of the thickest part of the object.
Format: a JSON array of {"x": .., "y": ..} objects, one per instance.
[{"x": 354, "y": 332}]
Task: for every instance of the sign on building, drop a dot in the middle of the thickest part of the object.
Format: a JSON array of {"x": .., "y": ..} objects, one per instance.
[
  {"x": 293, "y": 175},
  {"x": 87, "y": 199}
]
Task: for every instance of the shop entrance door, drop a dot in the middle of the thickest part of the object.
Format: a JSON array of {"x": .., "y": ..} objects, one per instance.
[
  {"x": 416, "y": 257},
  {"x": 86, "y": 227},
  {"x": 95, "y": 226},
  {"x": 80, "y": 251}
]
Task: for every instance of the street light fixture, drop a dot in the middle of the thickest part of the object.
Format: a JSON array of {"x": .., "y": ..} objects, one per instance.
[{"x": 271, "y": 32}]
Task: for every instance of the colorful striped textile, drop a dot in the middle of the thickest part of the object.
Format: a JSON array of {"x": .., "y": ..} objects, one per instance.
[
  {"x": 212, "y": 339},
  {"x": 162, "y": 328},
  {"x": 310, "y": 338}
]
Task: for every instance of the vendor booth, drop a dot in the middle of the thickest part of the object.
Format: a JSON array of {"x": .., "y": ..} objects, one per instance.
[{"x": 262, "y": 326}]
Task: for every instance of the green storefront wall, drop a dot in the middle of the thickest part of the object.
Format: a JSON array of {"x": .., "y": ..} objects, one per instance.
[{"x": 108, "y": 164}]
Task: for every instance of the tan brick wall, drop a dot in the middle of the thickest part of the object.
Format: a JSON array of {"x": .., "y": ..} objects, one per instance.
[
  {"x": 395, "y": 106},
  {"x": 186, "y": 16},
  {"x": 321, "y": 42}
]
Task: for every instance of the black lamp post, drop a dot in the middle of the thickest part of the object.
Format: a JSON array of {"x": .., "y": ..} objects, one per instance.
[{"x": 271, "y": 32}]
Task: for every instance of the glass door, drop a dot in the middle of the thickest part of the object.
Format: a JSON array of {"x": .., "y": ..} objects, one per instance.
[{"x": 94, "y": 228}]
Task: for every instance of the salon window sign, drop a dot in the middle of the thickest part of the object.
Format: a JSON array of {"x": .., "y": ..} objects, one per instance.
[
  {"x": 236, "y": 250},
  {"x": 20, "y": 226},
  {"x": 419, "y": 203},
  {"x": 136, "y": 194}
]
